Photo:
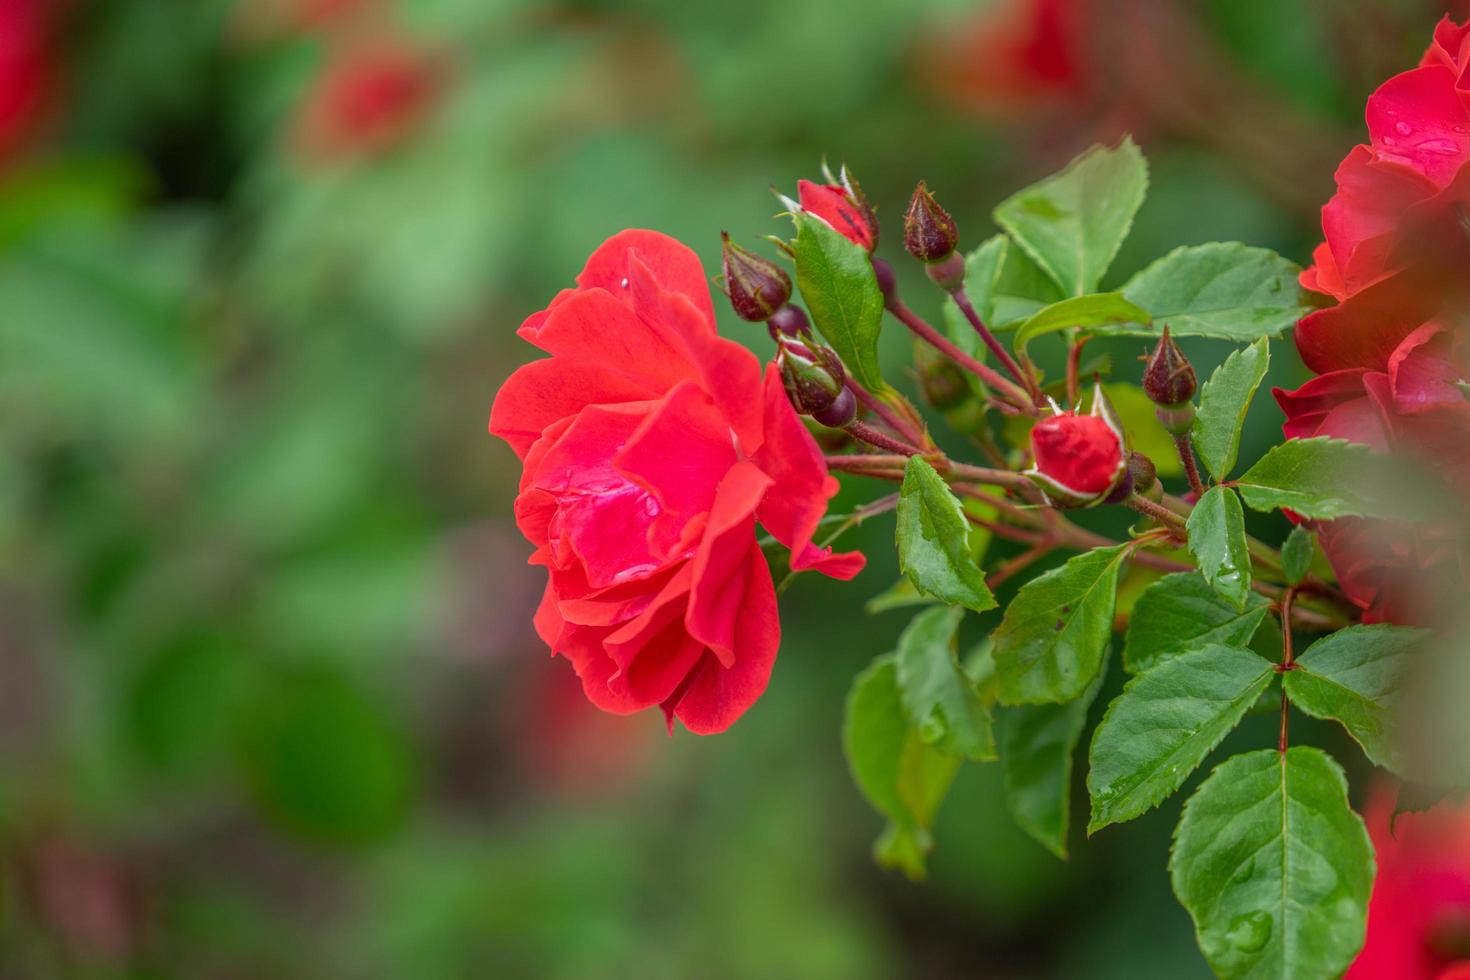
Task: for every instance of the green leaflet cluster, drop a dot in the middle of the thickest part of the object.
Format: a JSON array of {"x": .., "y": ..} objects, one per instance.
[{"x": 1269, "y": 859}]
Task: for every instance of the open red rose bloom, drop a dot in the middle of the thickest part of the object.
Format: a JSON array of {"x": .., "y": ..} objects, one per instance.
[
  {"x": 652, "y": 448},
  {"x": 1391, "y": 355}
]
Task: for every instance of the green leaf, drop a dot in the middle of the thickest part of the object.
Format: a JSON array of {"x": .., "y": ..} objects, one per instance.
[
  {"x": 1051, "y": 642},
  {"x": 940, "y": 698},
  {"x": 1355, "y": 676},
  {"x": 1225, "y": 290},
  {"x": 1274, "y": 867},
  {"x": 1021, "y": 289},
  {"x": 1181, "y": 612},
  {"x": 1037, "y": 742},
  {"x": 1085, "y": 312},
  {"x": 1146, "y": 434},
  {"x": 897, "y": 596},
  {"x": 1216, "y": 529},
  {"x": 841, "y": 292},
  {"x": 1223, "y": 402},
  {"x": 904, "y": 779},
  {"x": 934, "y": 540},
  {"x": 1314, "y": 477},
  {"x": 1073, "y": 222},
  {"x": 1163, "y": 725},
  {"x": 1296, "y": 555}
]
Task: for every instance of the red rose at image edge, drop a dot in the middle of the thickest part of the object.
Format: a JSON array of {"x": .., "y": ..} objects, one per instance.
[
  {"x": 27, "y": 77},
  {"x": 1419, "y": 912},
  {"x": 1080, "y": 452},
  {"x": 651, "y": 449}
]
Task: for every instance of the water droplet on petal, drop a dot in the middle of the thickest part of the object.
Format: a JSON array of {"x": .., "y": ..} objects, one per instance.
[
  {"x": 1402, "y": 128},
  {"x": 1446, "y": 147}
]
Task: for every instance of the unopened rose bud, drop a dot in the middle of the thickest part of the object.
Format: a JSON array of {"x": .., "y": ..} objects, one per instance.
[
  {"x": 929, "y": 233},
  {"x": 1145, "y": 474},
  {"x": 838, "y": 414},
  {"x": 1168, "y": 379},
  {"x": 789, "y": 321},
  {"x": 840, "y": 203},
  {"x": 941, "y": 381},
  {"x": 813, "y": 377},
  {"x": 757, "y": 287},
  {"x": 1078, "y": 459}
]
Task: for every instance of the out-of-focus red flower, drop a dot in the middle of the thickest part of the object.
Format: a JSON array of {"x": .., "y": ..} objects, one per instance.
[
  {"x": 1078, "y": 458},
  {"x": 1419, "y": 913},
  {"x": 1016, "y": 55},
  {"x": 651, "y": 448},
  {"x": 27, "y": 71},
  {"x": 370, "y": 96},
  {"x": 1390, "y": 363},
  {"x": 569, "y": 747},
  {"x": 842, "y": 207}
]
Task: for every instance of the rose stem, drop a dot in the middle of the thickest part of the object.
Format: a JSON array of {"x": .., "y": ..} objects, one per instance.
[
  {"x": 1191, "y": 465},
  {"x": 1074, "y": 364},
  {"x": 1286, "y": 662},
  {"x": 935, "y": 339},
  {"x": 875, "y": 437},
  {"x": 1025, "y": 378},
  {"x": 877, "y": 406}
]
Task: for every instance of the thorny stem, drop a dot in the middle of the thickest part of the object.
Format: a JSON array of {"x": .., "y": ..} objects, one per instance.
[
  {"x": 1024, "y": 378},
  {"x": 1158, "y": 512},
  {"x": 1191, "y": 465},
  {"x": 884, "y": 411},
  {"x": 1286, "y": 662},
  {"x": 875, "y": 437},
  {"x": 1018, "y": 398}
]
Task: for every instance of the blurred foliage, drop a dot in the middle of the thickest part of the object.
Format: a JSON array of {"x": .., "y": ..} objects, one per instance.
[{"x": 270, "y": 703}]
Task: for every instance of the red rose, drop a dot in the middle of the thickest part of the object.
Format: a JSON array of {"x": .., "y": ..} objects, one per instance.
[
  {"x": 1078, "y": 458},
  {"x": 651, "y": 448},
  {"x": 369, "y": 98},
  {"x": 26, "y": 78},
  {"x": 842, "y": 207},
  {"x": 1419, "y": 913},
  {"x": 1013, "y": 57}
]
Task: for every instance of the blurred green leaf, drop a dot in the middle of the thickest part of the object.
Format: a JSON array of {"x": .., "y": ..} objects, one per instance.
[
  {"x": 939, "y": 697},
  {"x": 1073, "y": 223}
]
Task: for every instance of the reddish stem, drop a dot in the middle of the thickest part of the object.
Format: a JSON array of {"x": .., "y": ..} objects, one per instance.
[
  {"x": 1024, "y": 378},
  {"x": 1191, "y": 465},
  {"x": 1286, "y": 662},
  {"x": 938, "y": 341},
  {"x": 885, "y": 412},
  {"x": 876, "y": 437}
]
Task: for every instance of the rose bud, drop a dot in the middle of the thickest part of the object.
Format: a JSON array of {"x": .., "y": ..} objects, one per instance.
[
  {"x": 941, "y": 381},
  {"x": 1078, "y": 459},
  {"x": 841, "y": 204},
  {"x": 929, "y": 233},
  {"x": 1169, "y": 382},
  {"x": 757, "y": 287},
  {"x": 1145, "y": 474},
  {"x": 813, "y": 376},
  {"x": 789, "y": 321}
]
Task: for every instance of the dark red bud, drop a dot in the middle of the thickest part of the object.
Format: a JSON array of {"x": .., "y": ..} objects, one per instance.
[
  {"x": 757, "y": 287},
  {"x": 789, "y": 321},
  {"x": 1145, "y": 475},
  {"x": 1169, "y": 379},
  {"x": 813, "y": 376},
  {"x": 929, "y": 233},
  {"x": 838, "y": 414}
]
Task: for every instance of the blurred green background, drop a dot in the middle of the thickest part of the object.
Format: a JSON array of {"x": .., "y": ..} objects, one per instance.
[{"x": 270, "y": 700}]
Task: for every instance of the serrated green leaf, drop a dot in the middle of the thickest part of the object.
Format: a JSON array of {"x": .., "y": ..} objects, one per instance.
[
  {"x": 904, "y": 779},
  {"x": 1073, "y": 222},
  {"x": 1051, "y": 642},
  {"x": 1179, "y": 613},
  {"x": 1296, "y": 555},
  {"x": 1274, "y": 867},
  {"x": 1037, "y": 743},
  {"x": 897, "y": 596},
  {"x": 1223, "y": 289},
  {"x": 1021, "y": 289},
  {"x": 1085, "y": 312},
  {"x": 841, "y": 292},
  {"x": 1355, "y": 676},
  {"x": 1223, "y": 402},
  {"x": 933, "y": 537},
  {"x": 939, "y": 697},
  {"x": 1163, "y": 725},
  {"x": 1216, "y": 529},
  {"x": 1319, "y": 477}
]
